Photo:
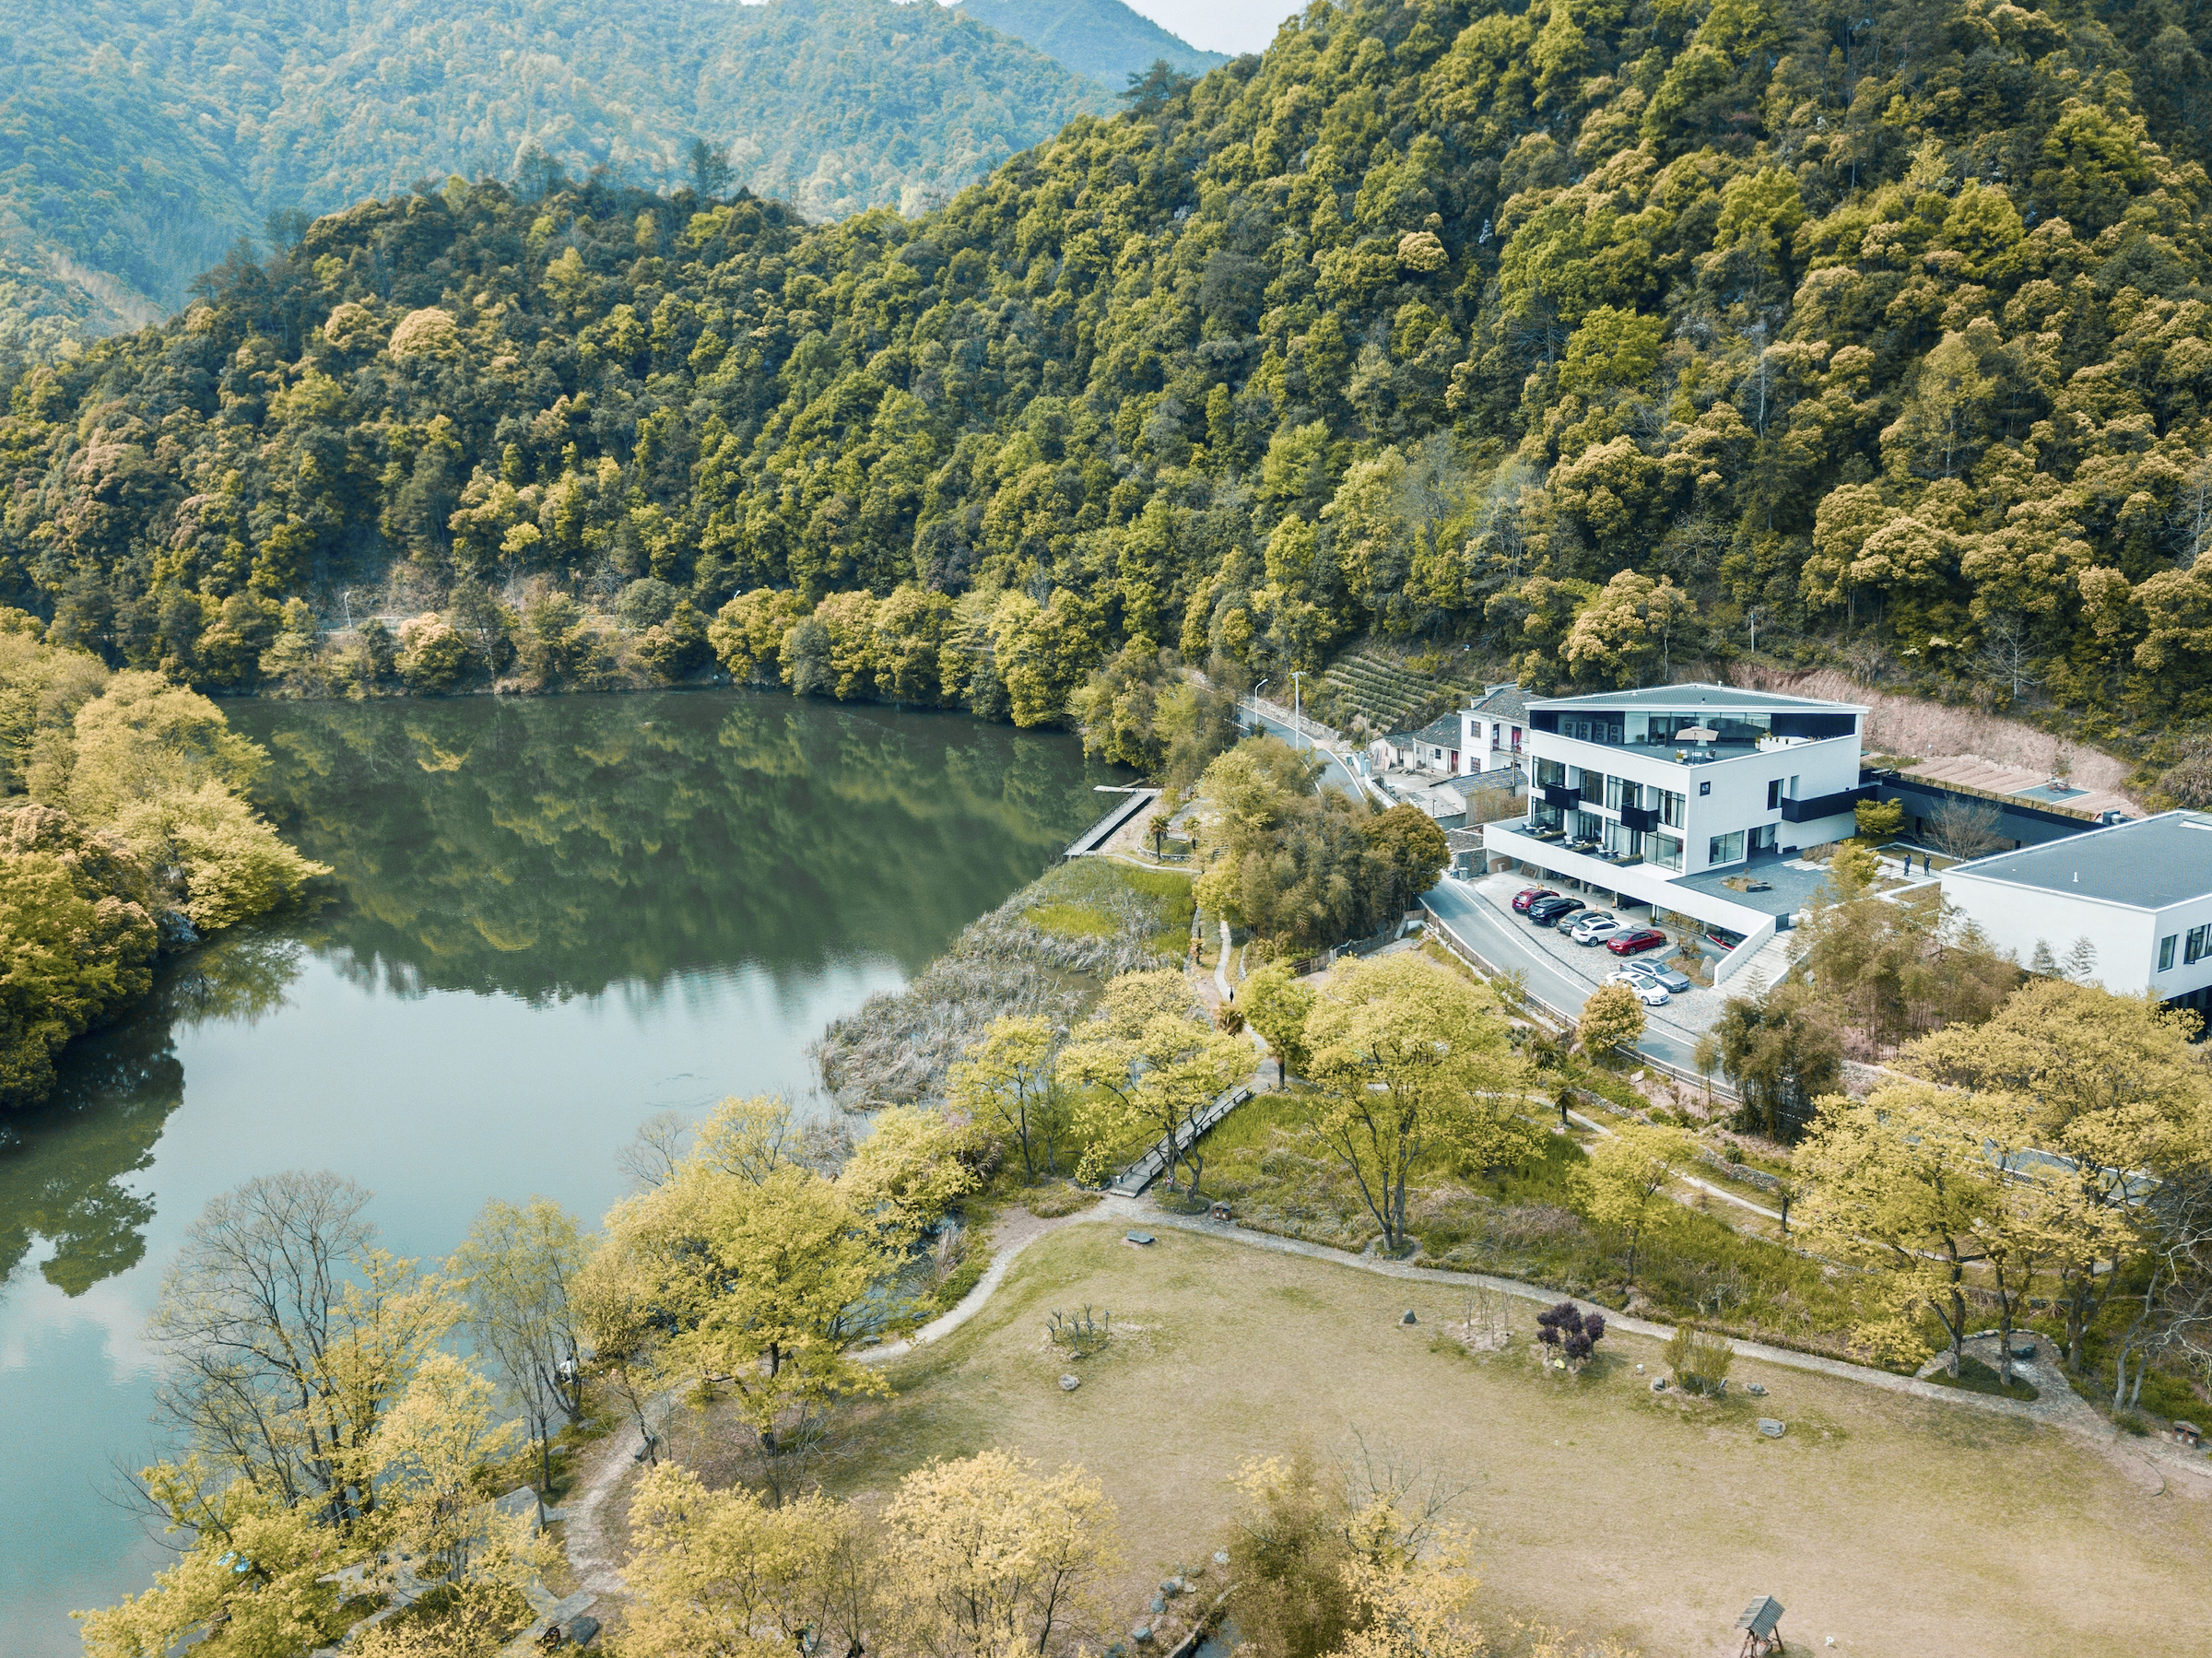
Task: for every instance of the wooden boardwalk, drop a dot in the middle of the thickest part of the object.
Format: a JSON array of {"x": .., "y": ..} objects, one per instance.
[
  {"x": 1104, "y": 830},
  {"x": 1140, "y": 1174}
]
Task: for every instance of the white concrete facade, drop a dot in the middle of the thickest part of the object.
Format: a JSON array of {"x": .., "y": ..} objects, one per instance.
[
  {"x": 1689, "y": 806},
  {"x": 2140, "y": 893},
  {"x": 1488, "y": 744}
]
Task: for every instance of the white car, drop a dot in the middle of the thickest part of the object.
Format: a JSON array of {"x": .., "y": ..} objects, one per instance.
[
  {"x": 1649, "y": 991},
  {"x": 1593, "y": 928}
]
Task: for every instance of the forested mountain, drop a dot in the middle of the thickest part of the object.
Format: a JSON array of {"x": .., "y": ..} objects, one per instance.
[
  {"x": 1102, "y": 39},
  {"x": 1576, "y": 336},
  {"x": 140, "y": 138}
]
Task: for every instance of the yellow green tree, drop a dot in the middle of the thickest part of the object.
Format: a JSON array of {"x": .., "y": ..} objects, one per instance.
[
  {"x": 1622, "y": 1186},
  {"x": 721, "y": 1574},
  {"x": 992, "y": 1556},
  {"x": 1010, "y": 1081},
  {"x": 1412, "y": 1060},
  {"x": 1152, "y": 1066}
]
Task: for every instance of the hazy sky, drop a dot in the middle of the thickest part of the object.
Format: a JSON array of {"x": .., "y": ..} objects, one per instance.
[
  {"x": 1220, "y": 25},
  {"x": 1231, "y": 26}
]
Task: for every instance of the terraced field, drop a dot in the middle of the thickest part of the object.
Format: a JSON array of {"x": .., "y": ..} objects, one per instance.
[{"x": 1392, "y": 696}]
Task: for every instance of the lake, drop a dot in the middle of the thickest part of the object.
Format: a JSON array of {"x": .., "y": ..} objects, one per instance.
[{"x": 549, "y": 919}]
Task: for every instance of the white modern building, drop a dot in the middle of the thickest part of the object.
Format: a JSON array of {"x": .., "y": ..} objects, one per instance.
[
  {"x": 2140, "y": 893},
  {"x": 1660, "y": 795}
]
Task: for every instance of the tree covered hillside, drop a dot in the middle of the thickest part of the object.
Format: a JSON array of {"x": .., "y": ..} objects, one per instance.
[
  {"x": 1102, "y": 39},
  {"x": 139, "y": 138},
  {"x": 1576, "y": 334}
]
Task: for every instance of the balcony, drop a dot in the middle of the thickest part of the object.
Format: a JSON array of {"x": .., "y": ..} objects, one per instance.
[
  {"x": 1825, "y": 806},
  {"x": 1643, "y": 818},
  {"x": 1566, "y": 796}
]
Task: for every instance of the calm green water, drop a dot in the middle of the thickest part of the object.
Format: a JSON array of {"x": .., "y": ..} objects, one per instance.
[{"x": 549, "y": 919}]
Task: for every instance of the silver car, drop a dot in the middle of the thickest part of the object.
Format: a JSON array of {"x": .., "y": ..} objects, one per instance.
[{"x": 1666, "y": 977}]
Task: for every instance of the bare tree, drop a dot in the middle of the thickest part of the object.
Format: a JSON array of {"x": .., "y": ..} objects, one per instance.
[
  {"x": 2191, "y": 520},
  {"x": 517, "y": 1270},
  {"x": 283, "y": 1334},
  {"x": 2008, "y": 653},
  {"x": 1964, "y": 828}
]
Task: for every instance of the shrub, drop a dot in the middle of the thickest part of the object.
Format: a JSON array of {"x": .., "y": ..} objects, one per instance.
[
  {"x": 1698, "y": 1359},
  {"x": 1571, "y": 1330}
]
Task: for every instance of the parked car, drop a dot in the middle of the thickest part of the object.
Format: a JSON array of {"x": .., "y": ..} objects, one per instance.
[
  {"x": 1633, "y": 941},
  {"x": 1659, "y": 973},
  {"x": 1549, "y": 911},
  {"x": 1595, "y": 927},
  {"x": 1649, "y": 992},
  {"x": 1529, "y": 895},
  {"x": 1722, "y": 937}
]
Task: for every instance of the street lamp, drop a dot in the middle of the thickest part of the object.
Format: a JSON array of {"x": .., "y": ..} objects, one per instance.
[
  {"x": 1298, "y": 718},
  {"x": 1255, "y": 703}
]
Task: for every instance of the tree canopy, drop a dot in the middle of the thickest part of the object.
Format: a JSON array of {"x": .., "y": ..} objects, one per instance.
[{"x": 1580, "y": 334}]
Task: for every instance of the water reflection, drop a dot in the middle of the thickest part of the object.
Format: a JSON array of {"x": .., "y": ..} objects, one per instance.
[
  {"x": 549, "y": 850},
  {"x": 553, "y": 847}
]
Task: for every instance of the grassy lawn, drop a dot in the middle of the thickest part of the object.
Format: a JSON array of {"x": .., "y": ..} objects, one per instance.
[{"x": 1895, "y": 1524}]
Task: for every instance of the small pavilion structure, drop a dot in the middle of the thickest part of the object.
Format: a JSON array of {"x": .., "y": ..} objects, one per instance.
[{"x": 1761, "y": 1625}]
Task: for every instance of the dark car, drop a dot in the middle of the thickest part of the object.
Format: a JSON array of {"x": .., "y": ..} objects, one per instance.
[
  {"x": 1635, "y": 941},
  {"x": 1547, "y": 912},
  {"x": 1529, "y": 895}
]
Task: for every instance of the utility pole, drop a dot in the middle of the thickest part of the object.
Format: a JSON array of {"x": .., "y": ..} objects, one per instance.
[{"x": 1754, "y": 631}]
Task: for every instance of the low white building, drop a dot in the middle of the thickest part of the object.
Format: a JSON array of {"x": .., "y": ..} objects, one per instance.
[
  {"x": 2140, "y": 893},
  {"x": 1492, "y": 730}
]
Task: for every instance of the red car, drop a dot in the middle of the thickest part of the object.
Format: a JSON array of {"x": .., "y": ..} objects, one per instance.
[
  {"x": 1524, "y": 898},
  {"x": 1638, "y": 939}
]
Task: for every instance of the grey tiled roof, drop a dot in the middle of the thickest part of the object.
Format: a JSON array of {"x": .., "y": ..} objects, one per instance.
[{"x": 1504, "y": 703}]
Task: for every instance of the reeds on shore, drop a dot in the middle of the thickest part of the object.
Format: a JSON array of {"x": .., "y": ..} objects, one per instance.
[{"x": 1046, "y": 950}]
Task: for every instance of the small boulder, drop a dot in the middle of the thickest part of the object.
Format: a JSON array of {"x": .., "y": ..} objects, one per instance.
[
  {"x": 1755, "y": 1390},
  {"x": 1220, "y": 1557},
  {"x": 1771, "y": 1428},
  {"x": 1159, "y": 1604},
  {"x": 1070, "y": 1383},
  {"x": 1409, "y": 1318},
  {"x": 1658, "y": 1384},
  {"x": 1171, "y": 1587},
  {"x": 1142, "y": 1240},
  {"x": 1142, "y": 1635},
  {"x": 2023, "y": 1349}
]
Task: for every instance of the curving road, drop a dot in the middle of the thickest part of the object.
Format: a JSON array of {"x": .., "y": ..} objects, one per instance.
[{"x": 1500, "y": 942}]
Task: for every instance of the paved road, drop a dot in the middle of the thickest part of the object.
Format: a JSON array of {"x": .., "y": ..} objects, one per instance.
[
  {"x": 1337, "y": 776},
  {"x": 1500, "y": 942}
]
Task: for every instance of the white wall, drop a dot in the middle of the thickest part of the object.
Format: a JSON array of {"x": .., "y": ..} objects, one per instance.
[
  {"x": 1738, "y": 796},
  {"x": 2017, "y": 918}
]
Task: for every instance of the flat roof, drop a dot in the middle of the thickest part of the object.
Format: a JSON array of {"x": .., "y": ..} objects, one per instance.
[
  {"x": 2145, "y": 864},
  {"x": 1671, "y": 697}
]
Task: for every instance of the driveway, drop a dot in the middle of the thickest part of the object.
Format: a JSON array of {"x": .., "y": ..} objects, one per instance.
[{"x": 1560, "y": 971}]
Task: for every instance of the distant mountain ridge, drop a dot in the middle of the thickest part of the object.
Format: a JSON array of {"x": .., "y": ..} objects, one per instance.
[
  {"x": 140, "y": 138},
  {"x": 1102, "y": 39}
]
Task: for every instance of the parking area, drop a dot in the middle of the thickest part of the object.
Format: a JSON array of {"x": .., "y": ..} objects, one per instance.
[{"x": 1560, "y": 971}]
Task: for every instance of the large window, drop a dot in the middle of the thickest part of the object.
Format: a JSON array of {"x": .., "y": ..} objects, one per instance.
[
  {"x": 1670, "y": 808},
  {"x": 1613, "y": 791},
  {"x": 2166, "y": 952},
  {"x": 2199, "y": 945},
  {"x": 1550, "y": 771},
  {"x": 1665, "y": 851},
  {"x": 1726, "y": 849}
]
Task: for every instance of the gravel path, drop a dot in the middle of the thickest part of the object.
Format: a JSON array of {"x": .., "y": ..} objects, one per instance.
[{"x": 590, "y": 1545}]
